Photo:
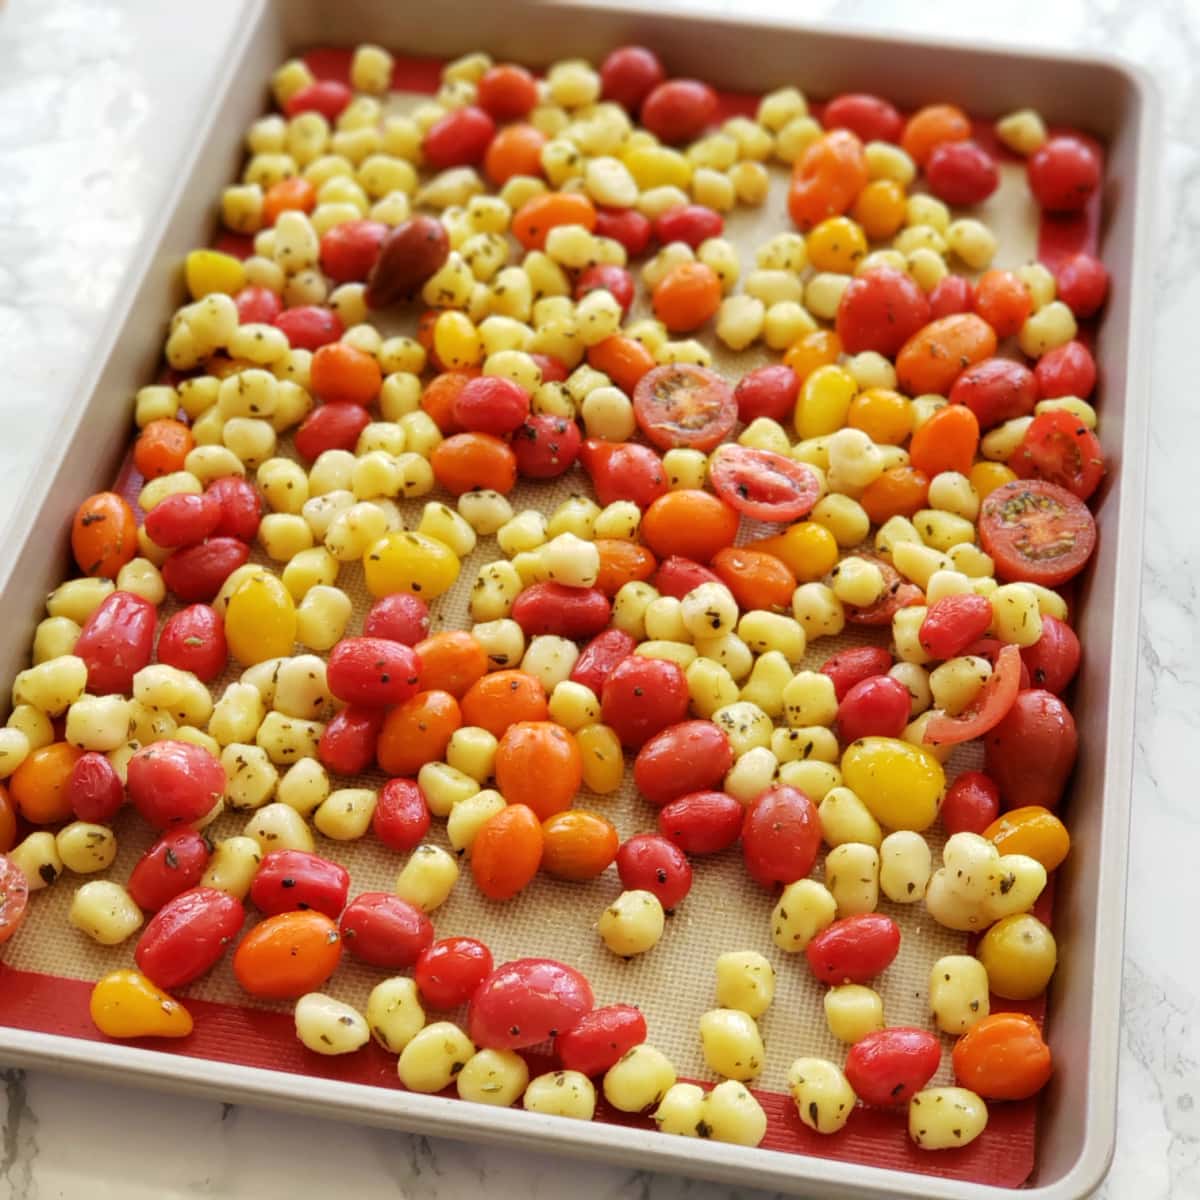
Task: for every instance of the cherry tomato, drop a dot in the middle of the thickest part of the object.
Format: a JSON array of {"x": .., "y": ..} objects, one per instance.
[
  {"x": 515, "y": 150},
  {"x": 854, "y": 949},
  {"x": 401, "y": 617},
  {"x": 1003, "y": 301},
  {"x": 449, "y": 972},
  {"x": 1054, "y": 658},
  {"x": 1067, "y": 370},
  {"x": 578, "y": 845},
  {"x": 1003, "y": 1057},
  {"x": 183, "y": 519},
  {"x": 897, "y": 594},
  {"x": 174, "y": 783},
  {"x": 932, "y": 359},
  {"x": 890, "y": 1066},
  {"x": 689, "y": 757},
  {"x": 532, "y": 222},
  {"x": 961, "y": 173},
  {"x": 288, "y": 955},
  {"x": 325, "y": 96},
  {"x": 502, "y": 698},
  {"x": 763, "y": 485},
  {"x": 953, "y": 623},
  {"x": 600, "y": 656},
  {"x": 40, "y": 787},
  {"x": 623, "y": 471},
  {"x": 1082, "y": 284},
  {"x": 1063, "y": 174},
  {"x": 8, "y": 818},
  {"x": 686, "y": 297},
  {"x": 992, "y": 702},
  {"x": 676, "y": 576},
  {"x": 241, "y": 507},
  {"x": 349, "y": 250},
  {"x": 1059, "y": 448},
  {"x": 491, "y": 404},
  {"x": 569, "y": 612},
  {"x": 95, "y": 790},
  {"x": 174, "y": 864},
  {"x": 868, "y": 117},
  {"x": 116, "y": 642},
  {"x": 1036, "y": 531},
  {"x": 196, "y": 574},
  {"x": 826, "y": 179},
  {"x": 688, "y": 523},
  {"x": 412, "y": 252},
  {"x": 296, "y": 194},
  {"x": 1031, "y": 752},
  {"x": 880, "y": 310},
  {"x": 850, "y": 667},
  {"x": 769, "y": 391},
  {"x": 187, "y": 936},
  {"x": 257, "y": 306},
  {"x": 643, "y": 696},
  {"x": 780, "y": 836},
  {"x": 756, "y": 579},
  {"x": 459, "y": 139},
  {"x": 629, "y": 74},
  {"x": 1031, "y": 830},
  {"x": 382, "y": 929},
  {"x": 310, "y": 326},
  {"x": 451, "y": 661},
  {"x": 193, "y": 639},
  {"x": 817, "y": 349},
  {"x": 507, "y": 852},
  {"x": 627, "y": 226},
  {"x": 527, "y": 1001},
  {"x": 538, "y": 765},
  {"x": 622, "y": 359},
  {"x": 162, "y": 447},
  {"x": 651, "y": 863},
  {"x": 622, "y": 562},
  {"x": 468, "y": 461},
  {"x": 704, "y": 822},
  {"x": 690, "y": 224},
  {"x": 14, "y": 898},
  {"x": 349, "y": 740},
  {"x": 546, "y": 446},
  {"x": 679, "y": 110},
  {"x": 343, "y": 374},
  {"x": 972, "y": 803},
  {"x": 951, "y": 294},
  {"x": 930, "y": 126},
  {"x": 330, "y": 427},
  {"x": 608, "y": 277},
  {"x": 296, "y": 881},
  {"x": 946, "y": 442},
  {"x": 876, "y": 707},
  {"x": 401, "y": 818},
  {"x": 996, "y": 390},
  {"x": 601, "y": 1039},
  {"x": 506, "y": 92},
  {"x": 373, "y": 672},
  {"x": 103, "y": 535}
]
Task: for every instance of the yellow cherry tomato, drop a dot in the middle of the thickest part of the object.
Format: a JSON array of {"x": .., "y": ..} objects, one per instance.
[
  {"x": 880, "y": 208},
  {"x": 986, "y": 477},
  {"x": 824, "y": 401},
  {"x": 883, "y": 415},
  {"x": 901, "y": 784},
  {"x": 410, "y": 562},
  {"x": 260, "y": 622},
  {"x": 1019, "y": 954},
  {"x": 807, "y": 549},
  {"x": 126, "y": 1004},
  {"x": 208, "y": 271},
  {"x": 1032, "y": 830},
  {"x": 837, "y": 244}
]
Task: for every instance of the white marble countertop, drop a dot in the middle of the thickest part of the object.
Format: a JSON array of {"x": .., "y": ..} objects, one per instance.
[{"x": 91, "y": 96}]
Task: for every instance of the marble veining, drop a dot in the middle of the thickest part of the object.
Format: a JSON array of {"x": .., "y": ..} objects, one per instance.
[{"x": 93, "y": 98}]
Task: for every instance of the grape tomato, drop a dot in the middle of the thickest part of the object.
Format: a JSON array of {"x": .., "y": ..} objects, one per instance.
[
  {"x": 296, "y": 880},
  {"x": 188, "y": 935},
  {"x": 601, "y": 1039},
  {"x": 702, "y": 822},
  {"x": 528, "y": 1001},
  {"x": 174, "y": 864},
  {"x": 890, "y": 1066},
  {"x": 384, "y": 930},
  {"x": 688, "y": 757},
  {"x": 193, "y": 639},
  {"x": 651, "y": 863},
  {"x": 449, "y": 972},
  {"x": 117, "y": 641}
]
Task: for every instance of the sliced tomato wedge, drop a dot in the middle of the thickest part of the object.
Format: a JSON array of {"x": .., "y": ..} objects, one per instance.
[
  {"x": 898, "y": 593},
  {"x": 1036, "y": 532},
  {"x": 763, "y": 485},
  {"x": 986, "y": 711},
  {"x": 1059, "y": 448},
  {"x": 14, "y": 897},
  {"x": 681, "y": 404}
]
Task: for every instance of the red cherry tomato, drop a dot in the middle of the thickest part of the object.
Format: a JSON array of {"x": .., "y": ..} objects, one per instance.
[
  {"x": 854, "y": 949},
  {"x": 610, "y": 278},
  {"x": 183, "y": 519},
  {"x": 623, "y": 471},
  {"x": 310, "y": 326},
  {"x": 188, "y": 935},
  {"x": 677, "y": 576},
  {"x": 848, "y": 667},
  {"x": 491, "y": 404},
  {"x": 1063, "y": 174},
  {"x": 507, "y": 92},
  {"x": 627, "y": 226},
  {"x": 196, "y": 574},
  {"x": 972, "y": 803},
  {"x": 702, "y": 822},
  {"x": 325, "y": 96},
  {"x": 241, "y": 508},
  {"x": 953, "y": 623},
  {"x": 347, "y": 745},
  {"x": 1036, "y": 531},
  {"x": 680, "y": 404},
  {"x": 679, "y": 110},
  {"x": 449, "y": 972},
  {"x": 174, "y": 783},
  {"x": 880, "y": 310},
  {"x": 546, "y": 446},
  {"x": 690, "y": 224},
  {"x": 1059, "y": 448},
  {"x": 598, "y": 658},
  {"x": 382, "y": 929},
  {"x": 763, "y": 485},
  {"x": 95, "y": 788},
  {"x": 890, "y": 1066},
  {"x": 651, "y": 863},
  {"x": 643, "y": 696},
  {"x": 987, "y": 710},
  {"x": 401, "y": 818},
  {"x": 876, "y": 707},
  {"x": 116, "y": 642},
  {"x": 961, "y": 173},
  {"x": 330, "y": 427},
  {"x": 780, "y": 836},
  {"x": 373, "y": 672},
  {"x": 1054, "y": 658},
  {"x": 629, "y": 74},
  {"x": 867, "y": 116},
  {"x": 257, "y": 305},
  {"x": 193, "y": 639},
  {"x": 603, "y": 1037},
  {"x": 769, "y": 391},
  {"x": 689, "y": 757},
  {"x": 173, "y": 865},
  {"x": 459, "y": 139},
  {"x": 294, "y": 880},
  {"x": 1067, "y": 370},
  {"x": 527, "y": 1001},
  {"x": 1031, "y": 752},
  {"x": 1082, "y": 284},
  {"x": 14, "y": 897},
  {"x": 349, "y": 250},
  {"x": 569, "y": 612},
  {"x": 951, "y": 294},
  {"x": 401, "y": 617},
  {"x": 996, "y": 390}
]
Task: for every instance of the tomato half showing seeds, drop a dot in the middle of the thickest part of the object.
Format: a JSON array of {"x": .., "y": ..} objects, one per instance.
[
  {"x": 651, "y": 863},
  {"x": 1059, "y": 448},
  {"x": 527, "y": 1001},
  {"x": 174, "y": 864},
  {"x": 288, "y": 955},
  {"x": 601, "y": 1039},
  {"x": 890, "y": 1066},
  {"x": 449, "y": 972},
  {"x": 294, "y": 880},
  {"x": 1037, "y": 532},
  {"x": 680, "y": 404},
  {"x": 174, "y": 783},
  {"x": 688, "y": 757},
  {"x": 1003, "y": 1057},
  {"x": 116, "y": 642},
  {"x": 763, "y": 485},
  {"x": 14, "y": 897},
  {"x": 780, "y": 836},
  {"x": 897, "y": 594},
  {"x": 187, "y": 936},
  {"x": 382, "y": 929},
  {"x": 986, "y": 711},
  {"x": 854, "y": 949}
]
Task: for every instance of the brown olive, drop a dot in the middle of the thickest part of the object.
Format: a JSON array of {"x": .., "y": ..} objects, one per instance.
[{"x": 412, "y": 252}]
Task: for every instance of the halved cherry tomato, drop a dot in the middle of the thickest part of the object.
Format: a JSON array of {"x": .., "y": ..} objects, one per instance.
[
  {"x": 538, "y": 764},
  {"x": 507, "y": 852},
  {"x": 763, "y": 485},
  {"x": 655, "y": 864},
  {"x": 932, "y": 359},
  {"x": 621, "y": 562},
  {"x": 502, "y": 698},
  {"x": 688, "y": 757},
  {"x": 1058, "y": 447},
  {"x": 417, "y": 732},
  {"x": 1036, "y": 531},
  {"x": 103, "y": 535},
  {"x": 986, "y": 711},
  {"x": 287, "y": 955},
  {"x": 689, "y": 523},
  {"x": 680, "y": 404},
  {"x": 756, "y": 579},
  {"x": 449, "y": 972},
  {"x": 527, "y": 1001},
  {"x": 14, "y": 897},
  {"x": 1003, "y": 1057},
  {"x": 897, "y": 594},
  {"x": 578, "y": 844}
]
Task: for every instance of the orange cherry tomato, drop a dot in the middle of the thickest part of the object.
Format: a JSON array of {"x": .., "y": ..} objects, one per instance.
[
  {"x": 813, "y": 350},
  {"x": 162, "y": 447},
  {"x": 425, "y": 323},
  {"x": 416, "y": 732},
  {"x": 295, "y": 194},
  {"x": 827, "y": 178},
  {"x": 687, "y": 296},
  {"x": 1034, "y": 831},
  {"x": 39, "y": 787},
  {"x": 538, "y": 764},
  {"x": 451, "y": 661},
  {"x": 690, "y": 523},
  {"x": 8, "y": 821},
  {"x": 440, "y": 394},
  {"x": 1003, "y": 1057},
  {"x": 756, "y": 579},
  {"x": 535, "y": 218},
  {"x": 946, "y": 442},
  {"x": 932, "y": 125},
  {"x": 1003, "y": 301},
  {"x": 507, "y": 852},
  {"x": 880, "y": 208},
  {"x": 103, "y": 535},
  {"x": 515, "y": 150},
  {"x": 622, "y": 562},
  {"x": 342, "y": 373},
  {"x": 578, "y": 844},
  {"x": 933, "y": 358},
  {"x": 502, "y": 698},
  {"x": 898, "y": 492},
  {"x": 885, "y": 416},
  {"x": 624, "y": 360},
  {"x": 467, "y": 461},
  {"x": 288, "y": 955}
]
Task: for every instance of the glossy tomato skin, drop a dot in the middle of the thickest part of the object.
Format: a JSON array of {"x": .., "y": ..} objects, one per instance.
[
  {"x": 569, "y": 612},
  {"x": 961, "y": 173},
  {"x": 449, "y": 972},
  {"x": 623, "y": 471},
  {"x": 348, "y": 742},
  {"x": 384, "y": 930},
  {"x": 95, "y": 788},
  {"x": 950, "y": 295},
  {"x": 116, "y": 642},
  {"x": 1054, "y": 658},
  {"x": 527, "y": 1001},
  {"x": 610, "y": 278},
  {"x": 257, "y": 305},
  {"x": 768, "y": 391},
  {"x": 897, "y": 594},
  {"x": 972, "y": 803},
  {"x": 876, "y": 707},
  {"x": 1003, "y": 1057},
  {"x": 325, "y": 96},
  {"x": 702, "y": 822},
  {"x": 401, "y": 817},
  {"x": 491, "y": 404},
  {"x": 854, "y": 949},
  {"x": 1063, "y": 174},
  {"x": 880, "y": 310},
  {"x": 173, "y": 865},
  {"x": 241, "y": 508},
  {"x": 288, "y": 955},
  {"x": 676, "y": 576},
  {"x": 870, "y": 118},
  {"x": 689, "y": 757},
  {"x": 349, "y": 250},
  {"x": 627, "y": 226},
  {"x": 1067, "y": 370},
  {"x": 599, "y": 1040},
  {"x": 330, "y": 427},
  {"x": 459, "y": 139},
  {"x": 373, "y": 672},
  {"x": 988, "y": 707},
  {"x": 954, "y": 623},
  {"x": 679, "y": 110},
  {"x": 1031, "y": 752},
  {"x": 996, "y": 390},
  {"x": 183, "y": 519},
  {"x": 1083, "y": 284},
  {"x": 890, "y": 1066},
  {"x": 187, "y": 936},
  {"x": 652, "y": 863},
  {"x": 1059, "y": 448},
  {"x": 690, "y": 224},
  {"x": 600, "y": 656},
  {"x": 546, "y": 446},
  {"x": 193, "y": 639},
  {"x": 401, "y": 617},
  {"x": 780, "y": 836},
  {"x": 643, "y": 696},
  {"x": 174, "y": 783},
  {"x": 295, "y": 880},
  {"x": 629, "y": 74},
  {"x": 763, "y": 485},
  {"x": 310, "y": 326},
  {"x": 850, "y": 667},
  {"x": 1037, "y": 532}
]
